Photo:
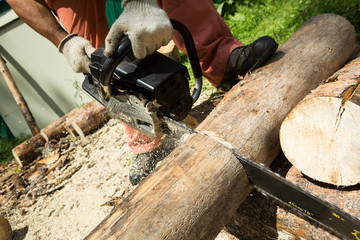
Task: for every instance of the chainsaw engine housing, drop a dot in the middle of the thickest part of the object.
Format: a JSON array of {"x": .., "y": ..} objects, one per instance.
[
  {"x": 140, "y": 88},
  {"x": 143, "y": 93}
]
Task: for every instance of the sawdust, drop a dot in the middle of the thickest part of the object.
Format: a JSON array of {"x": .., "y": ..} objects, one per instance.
[
  {"x": 90, "y": 178},
  {"x": 97, "y": 171}
]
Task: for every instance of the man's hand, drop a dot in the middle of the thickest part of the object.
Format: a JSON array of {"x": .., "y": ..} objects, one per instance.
[
  {"x": 77, "y": 51},
  {"x": 147, "y": 26}
]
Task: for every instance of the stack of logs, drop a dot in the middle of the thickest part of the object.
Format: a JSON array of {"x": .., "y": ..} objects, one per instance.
[{"x": 200, "y": 185}]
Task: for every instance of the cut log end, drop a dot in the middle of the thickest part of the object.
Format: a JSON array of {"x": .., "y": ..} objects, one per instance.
[
  {"x": 17, "y": 158},
  {"x": 321, "y": 139}
]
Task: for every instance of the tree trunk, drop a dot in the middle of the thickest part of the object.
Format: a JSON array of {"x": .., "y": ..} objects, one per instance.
[
  {"x": 320, "y": 136},
  {"x": 85, "y": 119},
  {"x": 201, "y": 184}
]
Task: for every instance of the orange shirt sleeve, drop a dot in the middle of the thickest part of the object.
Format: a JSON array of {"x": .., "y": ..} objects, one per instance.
[{"x": 87, "y": 18}]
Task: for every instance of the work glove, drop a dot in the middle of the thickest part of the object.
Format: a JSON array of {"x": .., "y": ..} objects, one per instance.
[
  {"x": 147, "y": 26},
  {"x": 77, "y": 51}
]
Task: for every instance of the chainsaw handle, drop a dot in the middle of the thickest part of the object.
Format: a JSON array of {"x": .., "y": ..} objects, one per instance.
[
  {"x": 112, "y": 62},
  {"x": 192, "y": 54},
  {"x": 124, "y": 49}
]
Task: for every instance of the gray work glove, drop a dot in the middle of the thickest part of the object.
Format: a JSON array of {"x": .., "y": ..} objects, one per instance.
[
  {"x": 147, "y": 26},
  {"x": 77, "y": 51}
]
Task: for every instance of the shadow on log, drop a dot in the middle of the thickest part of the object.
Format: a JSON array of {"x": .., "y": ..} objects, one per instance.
[{"x": 198, "y": 188}]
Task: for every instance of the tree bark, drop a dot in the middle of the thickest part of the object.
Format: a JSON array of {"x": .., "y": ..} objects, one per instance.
[
  {"x": 320, "y": 136},
  {"x": 86, "y": 119},
  {"x": 201, "y": 184},
  {"x": 19, "y": 99}
]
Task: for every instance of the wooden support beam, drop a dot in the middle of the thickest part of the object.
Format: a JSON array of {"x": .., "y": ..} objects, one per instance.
[
  {"x": 201, "y": 184},
  {"x": 19, "y": 99}
]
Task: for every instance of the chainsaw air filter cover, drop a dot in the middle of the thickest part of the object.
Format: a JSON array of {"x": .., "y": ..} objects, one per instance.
[
  {"x": 157, "y": 78},
  {"x": 138, "y": 91}
]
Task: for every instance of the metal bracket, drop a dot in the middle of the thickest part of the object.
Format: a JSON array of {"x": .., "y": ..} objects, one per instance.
[{"x": 137, "y": 113}]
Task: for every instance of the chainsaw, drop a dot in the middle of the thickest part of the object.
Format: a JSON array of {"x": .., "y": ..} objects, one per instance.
[
  {"x": 152, "y": 94},
  {"x": 140, "y": 91}
]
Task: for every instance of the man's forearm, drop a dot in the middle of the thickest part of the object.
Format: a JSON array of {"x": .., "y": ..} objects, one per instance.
[{"x": 39, "y": 17}]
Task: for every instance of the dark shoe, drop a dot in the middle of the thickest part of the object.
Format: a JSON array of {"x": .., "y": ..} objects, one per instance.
[
  {"x": 246, "y": 58},
  {"x": 144, "y": 163}
]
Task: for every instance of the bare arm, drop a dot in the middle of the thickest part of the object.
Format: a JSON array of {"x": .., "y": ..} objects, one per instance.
[{"x": 39, "y": 17}]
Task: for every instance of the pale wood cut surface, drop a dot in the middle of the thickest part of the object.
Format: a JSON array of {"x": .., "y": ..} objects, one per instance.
[
  {"x": 201, "y": 185},
  {"x": 320, "y": 137}
]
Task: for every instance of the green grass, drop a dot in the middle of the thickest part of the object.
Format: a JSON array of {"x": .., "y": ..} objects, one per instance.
[
  {"x": 280, "y": 19},
  {"x": 6, "y": 145},
  {"x": 251, "y": 19}
]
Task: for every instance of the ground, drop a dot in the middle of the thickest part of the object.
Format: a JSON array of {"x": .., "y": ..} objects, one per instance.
[{"x": 67, "y": 192}]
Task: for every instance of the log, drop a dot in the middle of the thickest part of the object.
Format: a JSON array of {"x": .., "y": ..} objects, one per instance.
[
  {"x": 58, "y": 128},
  {"x": 19, "y": 99},
  {"x": 294, "y": 227},
  {"x": 28, "y": 151},
  {"x": 320, "y": 136},
  {"x": 90, "y": 118},
  {"x": 201, "y": 184},
  {"x": 85, "y": 120}
]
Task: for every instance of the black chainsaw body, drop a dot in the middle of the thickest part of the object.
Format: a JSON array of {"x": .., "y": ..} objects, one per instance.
[{"x": 136, "y": 90}]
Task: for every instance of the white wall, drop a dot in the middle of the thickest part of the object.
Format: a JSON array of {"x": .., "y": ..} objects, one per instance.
[{"x": 40, "y": 72}]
